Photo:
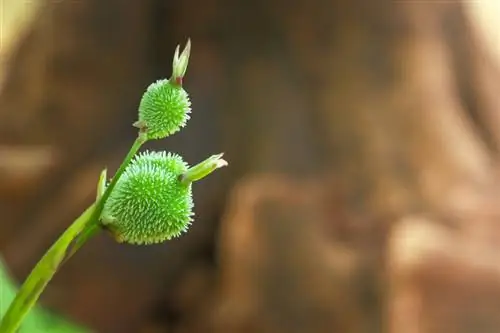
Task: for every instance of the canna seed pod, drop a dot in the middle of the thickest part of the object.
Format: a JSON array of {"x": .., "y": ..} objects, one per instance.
[
  {"x": 152, "y": 201},
  {"x": 149, "y": 203},
  {"x": 165, "y": 106},
  {"x": 164, "y": 109}
]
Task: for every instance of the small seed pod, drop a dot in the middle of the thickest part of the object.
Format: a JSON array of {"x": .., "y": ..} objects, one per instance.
[
  {"x": 165, "y": 106},
  {"x": 149, "y": 203},
  {"x": 164, "y": 109}
]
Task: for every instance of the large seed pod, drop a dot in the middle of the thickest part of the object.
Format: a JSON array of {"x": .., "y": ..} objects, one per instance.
[{"x": 150, "y": 204}]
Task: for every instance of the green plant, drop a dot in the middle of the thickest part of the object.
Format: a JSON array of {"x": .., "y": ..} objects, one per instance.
[
  {"x": 147, "y": 201},
  {"x": 39, "y": 320}
]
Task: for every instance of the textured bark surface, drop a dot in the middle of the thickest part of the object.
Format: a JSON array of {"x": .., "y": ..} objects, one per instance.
[{"x": 362, "y": 137}]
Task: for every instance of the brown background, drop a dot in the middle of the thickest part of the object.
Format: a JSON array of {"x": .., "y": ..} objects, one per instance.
[{"x": 362, "y": 138}]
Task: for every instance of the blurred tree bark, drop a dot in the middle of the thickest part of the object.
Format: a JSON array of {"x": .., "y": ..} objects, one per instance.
[{"x": 368, "y": 131}]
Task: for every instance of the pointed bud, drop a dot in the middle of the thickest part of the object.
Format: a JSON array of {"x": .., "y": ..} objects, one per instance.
[
  {"x": 180, "y": 63},
  {"x": 203, "y": 169},
  {"x": 101, "y": 185}
]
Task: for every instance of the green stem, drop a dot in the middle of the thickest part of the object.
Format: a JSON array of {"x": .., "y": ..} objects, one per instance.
[
  {"x": 41, "y": 274},
  {"x": 94, "y": 227},
  {"x": 81, "y": 230}
]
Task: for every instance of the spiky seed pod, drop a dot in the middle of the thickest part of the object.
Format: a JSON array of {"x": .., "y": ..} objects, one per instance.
[
  {"x": 165, "y": 106},
  {"x": 149, "y": 203},
  {"x": 164, "y": 109}
]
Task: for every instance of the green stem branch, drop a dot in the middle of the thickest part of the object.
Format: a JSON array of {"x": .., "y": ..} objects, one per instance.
[
  {"x": 41, "y": 274},
  {"x": 94, "y": 226},
  {"x": 77, "y": 234}
]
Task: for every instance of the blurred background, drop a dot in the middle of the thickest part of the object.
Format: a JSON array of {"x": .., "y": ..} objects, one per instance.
[{"x": 363, "y": 192}]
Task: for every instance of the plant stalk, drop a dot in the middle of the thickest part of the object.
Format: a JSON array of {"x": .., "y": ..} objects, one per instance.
[
  {"x": 41, "y": 274},
  {"x": 94, "y": 226},
  {"x": 75, "y": 236}
]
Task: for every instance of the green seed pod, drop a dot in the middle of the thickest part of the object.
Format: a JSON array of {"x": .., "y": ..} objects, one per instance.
[
  {"x": 165, "y": 106},
  {"x": 164, "y": 109},
  {"x": 149, "y": 203}
]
